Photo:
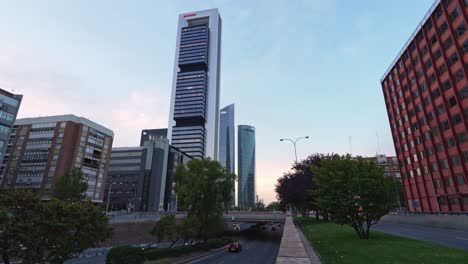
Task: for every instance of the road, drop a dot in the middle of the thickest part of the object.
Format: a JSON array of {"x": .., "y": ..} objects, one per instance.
[
  {"x": 445, "y": 237},
  {"x": 256, "y": 248}
]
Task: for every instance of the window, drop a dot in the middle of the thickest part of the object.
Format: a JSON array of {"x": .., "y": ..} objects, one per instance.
[
  {"x": 423, "y": 86},
  {"x": 442, "y": 200},
  {"x": 436, "y": 93},
  {"x": 447, "y": 85},
  {"x": 465, "y": 156},
  {"x": 438, "y": 12},
  {"x": 442, "y": 69},
  {"x": 437, "y": 184},
  {"x": 437, "y": 54},
  {"x": 432, "y": 78},
  {"x": 456, "y": 13},
  {"x": 433, "y": 40},
  {"x": 460, "y": 179},
  {"x": 439, "y": 147},
  {"x": 427, "y": 100},
  {"x": 455, "y": 160},
  {"x": 446, "y": 3},
  {"x": 457, "y": 119},
  {"x": 452, "y": 59},
  {"x": 453, "y": 200},
  {"x": 445, "y": 125},
  {"x": 461, "y": 30},
  {"x": 443, "y": 28},
  {"x": 428, "y": 64},
  {"x": 462, "y": 137},
  {"x": 448, "y": 43},
  {"x": 450, "y": 142},
  {"x": 434, "y": 167},
  {"x": 448, "y": 182},
  {"x": 452, "y": 101},
  {"x": 430, "y": 151},
  {"x": 465, "y": 47},
  {"x": 459, "y": 75},
  {"x": 464, "y": 93},
  {"x": 440, "y": 109},
  {"x": 444, "y": 164},
  {"x": 430, "y": 116}
]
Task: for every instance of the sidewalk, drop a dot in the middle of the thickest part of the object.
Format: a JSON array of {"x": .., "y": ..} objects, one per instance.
[{"x": 292, "y": 249}]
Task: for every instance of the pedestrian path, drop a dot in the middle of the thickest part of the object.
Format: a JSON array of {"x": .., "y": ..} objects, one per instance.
[{"x": 292, "y": 249}]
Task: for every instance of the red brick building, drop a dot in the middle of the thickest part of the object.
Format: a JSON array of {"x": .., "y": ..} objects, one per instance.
[{"x": 426, "y": 93}]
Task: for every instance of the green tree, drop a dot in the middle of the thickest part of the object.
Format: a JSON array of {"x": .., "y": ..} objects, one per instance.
[
  {"x": 166, "y": 228},
  {"x": 273, "y": 206},
  {"x": 203, "y": 189},
  {"x": 188, "y": 229},
  {"x": 354, "y": 191},
  {"x": 47, "y": 232},
  {"x": 70, "y": 187}
]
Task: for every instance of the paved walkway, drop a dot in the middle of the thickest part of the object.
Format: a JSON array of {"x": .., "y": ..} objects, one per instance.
[{"x": 292, "y": 249}]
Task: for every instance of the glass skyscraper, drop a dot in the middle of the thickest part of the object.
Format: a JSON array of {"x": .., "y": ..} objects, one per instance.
[
  {"x": 246, "y": 166},
  {"x": 226, "y": 141},
  {"x": 194, "y": 112}
]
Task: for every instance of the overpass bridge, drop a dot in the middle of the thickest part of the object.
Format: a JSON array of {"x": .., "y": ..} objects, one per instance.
[{"x": 230, "y": 217}]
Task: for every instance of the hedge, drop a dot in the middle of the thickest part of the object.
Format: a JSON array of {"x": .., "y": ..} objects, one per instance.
[{"x": 125, "y": 255}]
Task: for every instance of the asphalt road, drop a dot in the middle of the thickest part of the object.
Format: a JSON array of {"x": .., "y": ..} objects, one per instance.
[{"x": 445, "y": 237}]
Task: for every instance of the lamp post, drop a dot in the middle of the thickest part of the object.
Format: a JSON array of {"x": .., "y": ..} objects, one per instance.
[
  {"x": 294, "y": 143},
  {"x": 108, "y": 197}
]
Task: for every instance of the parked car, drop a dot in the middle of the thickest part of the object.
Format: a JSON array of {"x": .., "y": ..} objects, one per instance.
[
  {"x": 235, "y": 247},
  {"x": 148, "y": 246}
]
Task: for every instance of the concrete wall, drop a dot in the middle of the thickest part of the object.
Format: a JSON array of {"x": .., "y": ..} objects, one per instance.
[{"x": 457, "y": 222}]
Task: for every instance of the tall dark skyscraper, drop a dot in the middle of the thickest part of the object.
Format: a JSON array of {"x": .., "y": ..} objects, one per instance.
[
  {"x": 194, "y": 113},
  {"x": 226, "y": 141},
  {"x": 246, "y": 166},
  {"x": 426, "y": 95}
]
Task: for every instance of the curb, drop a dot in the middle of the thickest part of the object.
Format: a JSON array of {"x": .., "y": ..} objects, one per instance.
[{"x": 317, "y": 258}]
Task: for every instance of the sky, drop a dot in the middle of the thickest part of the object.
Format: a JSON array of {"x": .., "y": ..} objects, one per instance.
[{"x": 291, "y": 67}]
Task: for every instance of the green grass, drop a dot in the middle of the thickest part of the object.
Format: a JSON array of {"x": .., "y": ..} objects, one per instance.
[
  {"x": 159, "y": 261},
  {"x": 340, "y": 244}
]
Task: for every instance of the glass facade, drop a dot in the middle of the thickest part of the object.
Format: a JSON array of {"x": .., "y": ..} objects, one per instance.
[
  {"x": 226, "y": 141},
  {"x": 246, "y": 166}
]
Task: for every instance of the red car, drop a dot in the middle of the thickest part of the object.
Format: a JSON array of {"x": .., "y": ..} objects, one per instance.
[{"x": 235, "y": 247}]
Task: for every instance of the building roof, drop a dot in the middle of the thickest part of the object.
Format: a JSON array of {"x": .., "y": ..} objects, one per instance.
[
  {"x": 64, "y": 118},
  {"x": 408, "y": 42}
]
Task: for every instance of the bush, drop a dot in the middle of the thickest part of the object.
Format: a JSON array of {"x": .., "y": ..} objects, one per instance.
[
  {"x": 125, "y": 255},
  {"x": 226, "y": 240},
  {"x": 168, "y": 252},
  {"x": 301, "y": 221},
  {"x": 215, "y": 243}
]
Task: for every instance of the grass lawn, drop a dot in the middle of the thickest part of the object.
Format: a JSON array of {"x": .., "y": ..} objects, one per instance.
[
  {"x": 340, "y": 244},
  {"x": 160, "y": 261}
]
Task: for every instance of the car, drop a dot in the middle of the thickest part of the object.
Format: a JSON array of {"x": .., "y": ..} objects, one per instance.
[
  {"x": 235, "y": 247},
  {"x": 148, "y": 246}
]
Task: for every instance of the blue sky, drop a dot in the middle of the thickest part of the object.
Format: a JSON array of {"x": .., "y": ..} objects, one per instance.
[{"x": 292, "y": 67}]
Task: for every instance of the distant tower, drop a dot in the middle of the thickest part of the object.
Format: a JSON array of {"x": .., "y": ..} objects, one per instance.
[
  {"x": 194, "y": 113},
  {"x": 246, "y": 166},
  {"x": 226, "y": 142}
]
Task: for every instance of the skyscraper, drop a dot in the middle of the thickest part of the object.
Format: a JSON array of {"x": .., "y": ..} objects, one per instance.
[
  {"x": 149, "y": 134},
  {"x": 246, "y": 166},
  {"x": 9, "y": 106},
  {"x": 426, "y": 94},
  {"x": 194, "y": 113},
  {"x": 226, "y": 141}
]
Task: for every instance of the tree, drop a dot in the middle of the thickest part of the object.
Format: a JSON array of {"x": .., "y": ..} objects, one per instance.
[
  {"x": 203, "y": 189},
  {"x": 273, "y": 206},
  {"x": 294, "y": 189},
  {"x": 354, "y": 191},
  {"x": 70, "y": 187},
  {"x": 63, "y": 228},
  {"x": 166, "y": 228}
]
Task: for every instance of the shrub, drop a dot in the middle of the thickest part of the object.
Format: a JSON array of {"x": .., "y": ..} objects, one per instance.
[
  {"x": 215, "y": 243},
  {"x": 226, "y": 240},
  {"x": 168, "y": 252},
  {"x": 301, "y": 221},
  {"x": 125, "y": 255}
]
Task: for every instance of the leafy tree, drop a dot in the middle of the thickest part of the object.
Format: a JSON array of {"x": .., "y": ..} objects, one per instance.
[
  {"x": 70, "y": 187},
  {"x": 125, "y": 255},
  {"x": 354, "y": 191},
  {"x": 40, "y": 232},
  {"x": 188, "y": 229},
  {"x": 294, "y": 189},
  {"x": 166, "y": 228},
  {"x": 203, "y": 189},
  {"x": 273, "y": 206}
]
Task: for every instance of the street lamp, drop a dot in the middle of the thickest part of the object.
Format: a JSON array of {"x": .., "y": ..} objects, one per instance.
[{"x": 294, "y": 143}]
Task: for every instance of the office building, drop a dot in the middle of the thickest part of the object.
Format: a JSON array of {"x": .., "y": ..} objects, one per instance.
[
  {"x": 246, "y": 166},
  {"x": 150, "y": 134},
  {"x": 9, "y": 106},
  {"x": 194, "y": 112},
  {"x": 140, "y": 178},
  {"x": 42, "y": 149},
  {"x": 389, "y": 164},
  {"x": 426, "y": 92},
  {"x": 226, "y": 141}
]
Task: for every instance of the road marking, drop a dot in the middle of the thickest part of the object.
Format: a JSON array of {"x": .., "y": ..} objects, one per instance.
[{"x": 461, "y": 238}]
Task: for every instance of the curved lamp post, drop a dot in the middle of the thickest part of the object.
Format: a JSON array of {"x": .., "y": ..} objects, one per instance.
[{"x": 294, "y": 143}]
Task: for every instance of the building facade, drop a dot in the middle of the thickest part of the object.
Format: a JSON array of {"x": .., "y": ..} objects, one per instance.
[
  {"x": 9, "y": 106},
  {"x": 194, "y": 112},
  {"x": 150, "y": 134},
  {"x": 43, "y": 149},
  {"x": 426, "y": 91},
  {"x": 389, "y": 164},
  {"x": 246, "y": 166},
  {"x": 140, "y": 178},
  {"x": 227, "y": 142}
]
